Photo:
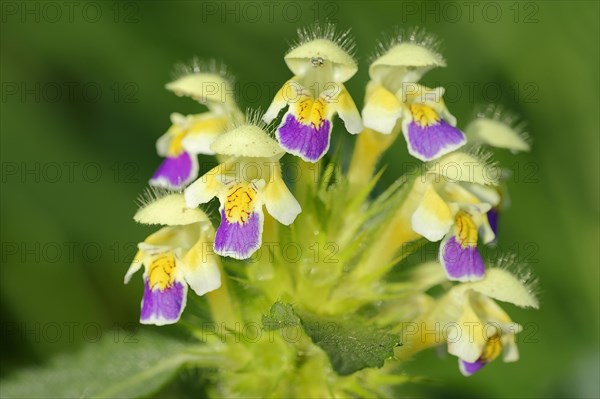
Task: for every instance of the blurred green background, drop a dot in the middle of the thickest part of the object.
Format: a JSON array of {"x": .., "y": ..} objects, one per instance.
[{"x": 83, "y": 102}]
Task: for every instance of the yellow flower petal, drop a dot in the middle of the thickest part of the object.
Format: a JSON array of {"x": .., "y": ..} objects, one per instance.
[
  {"x": 136, "y": 264},
  {"x": 289, "y": 91},
  {"x": 460, "y": 166},
  {"x": 202, "y": 87},
  {"x": 347, "y": 111},
  {"x": 200, "y": 267},
  {"x": 496, "y": 134},
  {"x": 409, "y": 61},
  {"x": 301, "y": 58},
  {"x": 503, "y": 286},
  {"x": 247, "y": 141},
  {"x": 169, "y": 210},
  {"x": 433, "y": 217},
  {"x": 206, "y": 187},
  {"x": 382, "y": 109},
  {"x": 280, "y": 202},
  {"x": 467, "y": 337}
]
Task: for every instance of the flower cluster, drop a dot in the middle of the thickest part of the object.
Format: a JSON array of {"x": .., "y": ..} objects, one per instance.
[{"x": 455, "y": 196}]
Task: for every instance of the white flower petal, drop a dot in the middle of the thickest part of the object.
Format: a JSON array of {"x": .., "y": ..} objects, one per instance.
[
  {"x": 503, "y": 286},
  {"x": 433, "y": 217},
  {"x": 409, "y": 61},
  {"x": 343, "y": 65},
  {"x": 200, "y": 268},
  {"x": 466, "y": 338},
  {"x": 169, "y": 210},
  {"x": 460, "y": 166},
  {"x": 247, "y": 141},
  {"x": 136, "y": 264},
  {"x": 496, "y": 134},
  {"x": 347, "y": 111},
  {"x": 510, "y": 349},
  {"x": 199, "y": 143},
  {"x": 207, "y": 186},
  {"x": 280, "y": 202},
  {"x": 289, "y": 91},
  {"x": 382, "y": 109},
  {"x": 203, "y": 87}
]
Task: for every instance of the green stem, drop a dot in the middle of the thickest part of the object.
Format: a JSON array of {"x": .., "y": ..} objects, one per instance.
[{"x": 222, "y": 306}]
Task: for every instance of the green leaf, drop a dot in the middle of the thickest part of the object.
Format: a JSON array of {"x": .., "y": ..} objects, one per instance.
[
  {"x": 281, "y": 315},
  {"x": 350, "y": 344},
  {"x": 107, "y": 369}
]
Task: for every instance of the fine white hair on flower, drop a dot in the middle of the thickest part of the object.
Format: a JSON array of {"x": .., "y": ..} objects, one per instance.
[
  {"x": 249, "y": 137},
  {"x": 497, "y": 113},
  {"x": 206, "y": 66},
  {"x": 254, "y": 117},
  {"x": 472, "y": 164},
  {"x": 484, "y": 156},
  {"x": 206, "y": 81},
  {"x": 520, "y": 267},
  {"x": 416, "y": 35},
  {"x": 167, "y": 208},
  {"x": 328, "y": 31},
  {"x": 152, "y": 194}
]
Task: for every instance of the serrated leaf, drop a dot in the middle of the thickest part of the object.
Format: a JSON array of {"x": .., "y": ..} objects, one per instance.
[
  {"x": 349, "y": 343},
  {"x": 280, "y": 315},
  {"x": 106, "y": 369}
]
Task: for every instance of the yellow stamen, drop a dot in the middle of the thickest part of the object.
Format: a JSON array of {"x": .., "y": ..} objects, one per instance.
[
  {"x": 424, "y": 115},
  {"x": 162, "y": 271},
  {"x": 492, "y": 349},
  {"x": 466, "y": 230},
  {"x": 240, "y": 202},
  {"x": 311, "y": 111}
]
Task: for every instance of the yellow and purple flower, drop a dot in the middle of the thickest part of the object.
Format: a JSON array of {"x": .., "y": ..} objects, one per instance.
[
  {"x": 458, "y": 219},
  {"x": 393, "y": 96},
  {"x": 446, "y": 209},
  {"x": 427, "y": 125},
  {"x": 173, "y": 258},
  {"x": 496, "y": 196},
  {"x": 321, "y": 63},
  {"x": 403, "y": 59},
  {"x": 482, "y": 333},
  {"x": 210, "y": 84},
  {"x": 187, "y": 137},
  {"x": 249, "y": 179},
  {"x": 473, "y": 326}
]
